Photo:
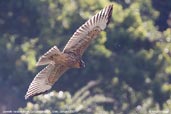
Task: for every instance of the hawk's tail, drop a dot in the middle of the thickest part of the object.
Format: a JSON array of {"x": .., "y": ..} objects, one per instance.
[{"x": 46, "y": 58}]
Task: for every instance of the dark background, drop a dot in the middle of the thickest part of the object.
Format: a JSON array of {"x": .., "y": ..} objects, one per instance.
[{"x": 132, "y": 57}]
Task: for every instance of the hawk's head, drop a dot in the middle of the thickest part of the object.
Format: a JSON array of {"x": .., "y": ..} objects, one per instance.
[{"x": 79, "y": 64}]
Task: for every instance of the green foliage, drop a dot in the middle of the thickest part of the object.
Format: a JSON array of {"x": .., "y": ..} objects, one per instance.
[
  {"x": 132, "y": 58},
  {"x": 63, "y": 102}
]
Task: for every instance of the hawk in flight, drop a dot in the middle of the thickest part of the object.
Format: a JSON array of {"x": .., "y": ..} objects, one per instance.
[{"x": 71, "y": 57}]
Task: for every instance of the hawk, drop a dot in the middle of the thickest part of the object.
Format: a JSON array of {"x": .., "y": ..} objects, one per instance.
[{"x": 71, "y": 57}]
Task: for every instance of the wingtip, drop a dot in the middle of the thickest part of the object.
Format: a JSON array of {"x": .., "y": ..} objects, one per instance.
[
  {"x": 110, "y": 9},
  {"x": 26, "y": 97}
]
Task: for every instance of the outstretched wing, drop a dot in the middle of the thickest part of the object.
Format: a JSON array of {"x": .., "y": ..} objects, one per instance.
[
  {"x": 88, "y": 31},
  {"x": 45, "y": 79}
]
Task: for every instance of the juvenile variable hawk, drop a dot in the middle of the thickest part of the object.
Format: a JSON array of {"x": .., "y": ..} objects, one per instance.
[{"x": 71, "y": 57}]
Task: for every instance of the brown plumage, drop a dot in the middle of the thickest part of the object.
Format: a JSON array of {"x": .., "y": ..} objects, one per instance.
[{"x": 59, "y": 62}]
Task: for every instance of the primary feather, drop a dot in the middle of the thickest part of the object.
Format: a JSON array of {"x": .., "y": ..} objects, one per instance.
[{"x": 84, "y": 34}]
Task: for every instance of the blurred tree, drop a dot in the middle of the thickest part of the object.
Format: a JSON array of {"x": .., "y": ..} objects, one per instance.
[
  {"x": 132, "y": 58},
  {"x": 164, "y": 7},
  {"x": 63, "y": 102}
]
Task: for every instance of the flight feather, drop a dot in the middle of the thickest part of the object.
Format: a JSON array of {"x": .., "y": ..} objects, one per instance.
[{"x": 88, "y": 31}]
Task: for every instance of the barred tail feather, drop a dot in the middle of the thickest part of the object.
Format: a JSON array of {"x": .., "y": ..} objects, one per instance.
[{"x": 45, "y": 59}]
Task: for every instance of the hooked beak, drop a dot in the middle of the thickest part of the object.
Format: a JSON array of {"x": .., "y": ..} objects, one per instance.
[{"x": 82, "y": 64}]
